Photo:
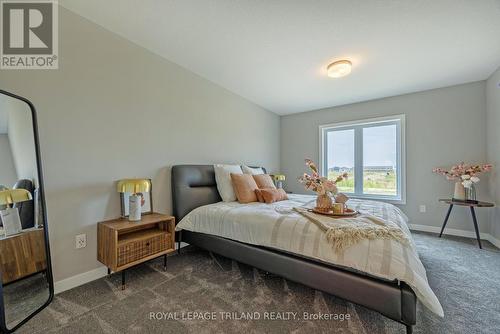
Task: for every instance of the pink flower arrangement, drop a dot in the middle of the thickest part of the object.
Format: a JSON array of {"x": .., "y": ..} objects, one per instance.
[
  {"x": 468, "y": 174},
  {"x": 320, "y": 184}
]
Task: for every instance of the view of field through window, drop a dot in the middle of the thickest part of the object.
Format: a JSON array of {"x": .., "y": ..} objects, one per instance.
[
  {"x": 341, "y": 158},
  {"x": 379, "y": 159}
]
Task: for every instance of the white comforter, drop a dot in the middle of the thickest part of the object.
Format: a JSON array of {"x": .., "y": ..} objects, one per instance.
[{"x": 278, "y": 226}]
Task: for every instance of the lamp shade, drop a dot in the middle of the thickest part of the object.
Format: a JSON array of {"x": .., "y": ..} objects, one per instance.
[
  {"x": 11, "y": 196},
  {"x": 134, "y": 186},
  {"x": 279, "y": 177}
]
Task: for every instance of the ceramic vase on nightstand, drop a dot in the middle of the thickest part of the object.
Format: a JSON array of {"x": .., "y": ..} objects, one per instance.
[
  {"x": 135, "y": 208},
  {"x": 459, "y": 193}
]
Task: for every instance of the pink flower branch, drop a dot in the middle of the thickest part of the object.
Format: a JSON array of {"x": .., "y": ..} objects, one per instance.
[
  {"x": 317, "y": 183},
  {"x": 468, "y": 174}
]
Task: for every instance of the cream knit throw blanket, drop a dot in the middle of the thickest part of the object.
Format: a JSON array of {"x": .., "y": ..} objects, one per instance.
[{"x": 347, "y": 231}]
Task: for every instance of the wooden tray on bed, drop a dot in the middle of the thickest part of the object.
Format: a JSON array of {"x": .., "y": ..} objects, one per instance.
[{"x": 347, "y": 213}]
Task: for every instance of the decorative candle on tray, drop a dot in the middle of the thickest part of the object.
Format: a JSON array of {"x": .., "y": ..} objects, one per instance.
[
  {"x": 338, "y": 208},
  {"x": 321, "y": 185}
]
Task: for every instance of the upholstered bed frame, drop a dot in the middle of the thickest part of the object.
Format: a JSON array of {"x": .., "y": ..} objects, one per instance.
[{"x": 194, "y": 186}]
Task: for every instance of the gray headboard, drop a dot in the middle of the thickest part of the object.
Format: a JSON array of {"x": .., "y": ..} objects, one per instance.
[{"x": 193, "y": 186}]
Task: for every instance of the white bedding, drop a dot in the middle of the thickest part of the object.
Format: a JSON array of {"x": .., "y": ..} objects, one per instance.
[{"x": 278, "y": 226}]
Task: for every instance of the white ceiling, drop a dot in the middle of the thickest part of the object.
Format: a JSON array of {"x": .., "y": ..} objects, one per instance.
[{"x": 275, "y": 53}]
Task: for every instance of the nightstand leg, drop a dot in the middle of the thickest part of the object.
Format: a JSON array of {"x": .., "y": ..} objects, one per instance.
[
  {"x": 165, "y": 262},
  {"x": 123, "y": 279},
  {"x": 446, "y": 220},
  {"x": 474, "y": 220},
  {"x": 179, "y": 243}
]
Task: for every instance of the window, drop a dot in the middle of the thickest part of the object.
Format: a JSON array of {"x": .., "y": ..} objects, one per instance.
[{"x": 371, "y": 152}]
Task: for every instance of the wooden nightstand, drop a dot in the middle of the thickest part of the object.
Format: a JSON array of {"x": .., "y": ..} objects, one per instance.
[
  {"x": 22, "y": 254},
  {"x": 122, "y": 244}
]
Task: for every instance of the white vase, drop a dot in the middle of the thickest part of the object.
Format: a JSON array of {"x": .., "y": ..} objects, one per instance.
[
  {"x": 459, "y": 193},
  {"x": 134, "y": 208}
]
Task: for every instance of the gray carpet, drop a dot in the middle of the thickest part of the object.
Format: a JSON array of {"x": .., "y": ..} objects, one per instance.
[{"x": 465, "y": 279}]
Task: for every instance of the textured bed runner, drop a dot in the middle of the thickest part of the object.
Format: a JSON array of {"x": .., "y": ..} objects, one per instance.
[{"x": 343, "y": 232}]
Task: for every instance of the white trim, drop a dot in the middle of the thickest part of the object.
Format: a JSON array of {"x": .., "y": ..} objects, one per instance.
[
  {"x": 80, "y": 279},
  {"x": 456, "y": 232},
  {"x": 494, "y": 241},
  {"x": 86, "y": 277},
  {"x": 449, "y": 231},
  {"x": 365, "y": 121},
  {"x": 401, "y": 152},
  {"x": 402, "y": 157}
]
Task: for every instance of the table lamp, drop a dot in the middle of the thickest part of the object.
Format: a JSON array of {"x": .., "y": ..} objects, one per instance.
[
  {"x": 135, "y": 187},
  {"x": 10, "y": 215},
  {"x": 279, "y": 178},
  {"x": 2, "y": 188}
]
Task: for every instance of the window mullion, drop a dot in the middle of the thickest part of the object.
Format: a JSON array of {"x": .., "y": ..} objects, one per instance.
[
  {"x": 399, "y": 169},
  {"x": 358, "y": 160}
]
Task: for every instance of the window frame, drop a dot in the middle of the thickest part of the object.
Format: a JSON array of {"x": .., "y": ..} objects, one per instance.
[{"x": 358, "y": 126}]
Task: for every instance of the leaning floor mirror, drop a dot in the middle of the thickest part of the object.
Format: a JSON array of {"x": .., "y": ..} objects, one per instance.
[{"x": 26, "y": 285}]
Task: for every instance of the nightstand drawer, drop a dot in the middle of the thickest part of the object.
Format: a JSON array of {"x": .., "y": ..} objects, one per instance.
[
  {"x": 123, "y": 244},
  {"x": 134, "y": 250}
]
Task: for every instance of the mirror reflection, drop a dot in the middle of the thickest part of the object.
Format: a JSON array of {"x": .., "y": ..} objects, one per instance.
[{"x": 23, "y": 260}]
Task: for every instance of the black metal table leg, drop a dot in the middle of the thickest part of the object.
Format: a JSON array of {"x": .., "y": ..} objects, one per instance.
[
  {"x": 179, "y": 243},
  {"x": 109, "y": 271},
  {"x": 476, "y": 227},
  {"x": 165, "y": 262},
  {"x": 446, "y": 220},
  {"x": 409, "y": 329},
  {"x": 123, "y": 279}
]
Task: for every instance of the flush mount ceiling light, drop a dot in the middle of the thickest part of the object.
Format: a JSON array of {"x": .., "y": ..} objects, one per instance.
[{"x": 339, "y": 69}]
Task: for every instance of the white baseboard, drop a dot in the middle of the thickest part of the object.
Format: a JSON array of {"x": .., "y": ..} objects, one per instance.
[
  {"x": 86, "y": 277},
  {"x": 459, "y": 233},
  {"x": 80, "y": 279},
  {"x": 450, "y": 231},
  {"x": 494, "y": 241}
]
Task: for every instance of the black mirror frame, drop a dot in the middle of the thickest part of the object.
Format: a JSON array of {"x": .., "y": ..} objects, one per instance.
[{"x": 3, "y": 325}]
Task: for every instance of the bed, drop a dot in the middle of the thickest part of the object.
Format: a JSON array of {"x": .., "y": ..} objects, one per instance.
[{"x": 196, "y": 203}]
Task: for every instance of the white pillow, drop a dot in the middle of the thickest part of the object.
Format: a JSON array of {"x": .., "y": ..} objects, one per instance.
[
  {"x": 252, "y": 171},
  {"x": 224, "y": 182}
]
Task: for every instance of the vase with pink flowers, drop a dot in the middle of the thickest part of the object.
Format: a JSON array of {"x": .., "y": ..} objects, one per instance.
[
  {"x": 465, "y": 177},
  {"x": 321, "y": 185}
]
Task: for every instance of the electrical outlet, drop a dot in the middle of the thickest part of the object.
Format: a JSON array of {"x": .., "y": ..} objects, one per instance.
[
  {"x": 423, "y": 208},
  {"x": 81, "y": 241}
]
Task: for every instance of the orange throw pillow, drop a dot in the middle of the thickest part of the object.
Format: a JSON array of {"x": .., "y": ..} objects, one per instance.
[
  {"x": 244, "y": 187},
  {"x": 273, "y": 195},
  {"x": 264, "y": 181},
  {"x": 260, "y": 198}
]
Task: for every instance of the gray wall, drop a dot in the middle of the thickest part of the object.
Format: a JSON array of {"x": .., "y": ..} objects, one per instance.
[
  {"x": 114, "y": 110},
  {"x": 7, "y": 170},
  {"x": 443, "y": 127},
  {"x": 493, "y": 120}
]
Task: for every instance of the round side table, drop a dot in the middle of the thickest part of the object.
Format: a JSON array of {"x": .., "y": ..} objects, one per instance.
[{"x": 471, "y": 205}]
